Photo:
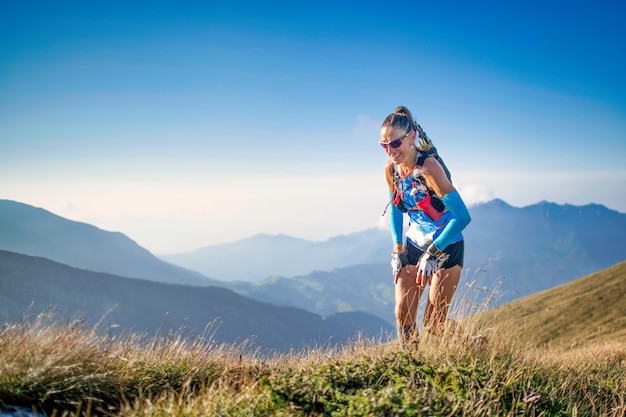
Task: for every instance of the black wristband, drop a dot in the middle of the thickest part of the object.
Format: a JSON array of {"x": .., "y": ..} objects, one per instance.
[{"x": 434, "y": 251}]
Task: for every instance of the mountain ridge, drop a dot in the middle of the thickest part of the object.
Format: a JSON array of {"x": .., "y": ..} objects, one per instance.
[
  {"x": 493, "y": 225},
  {"x": 269, "y": 255},
  {"x": 511, "y": 252},
  {"x": 36, "y": 284},
  {"x": 38, "y": 232}
]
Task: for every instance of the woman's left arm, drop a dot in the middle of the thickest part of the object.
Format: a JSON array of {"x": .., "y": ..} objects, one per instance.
[{"x": 437, "y": 179}]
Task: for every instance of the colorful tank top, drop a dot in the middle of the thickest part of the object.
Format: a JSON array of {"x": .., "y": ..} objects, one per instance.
[{"x": 428, "y": 215}]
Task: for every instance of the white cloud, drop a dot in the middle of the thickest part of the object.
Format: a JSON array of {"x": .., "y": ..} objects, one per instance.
[
  {"x": 521, "y": 188},
  {"x": 476, "y": 193}
]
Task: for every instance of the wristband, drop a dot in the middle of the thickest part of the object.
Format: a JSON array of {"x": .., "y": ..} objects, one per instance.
[{"x": 434, "y": 251}]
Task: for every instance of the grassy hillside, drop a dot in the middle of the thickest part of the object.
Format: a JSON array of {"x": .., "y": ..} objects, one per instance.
[
  {"x": 73, "y": 371},
  {"x": 70, "y": 371},
  {"x": 589, "y": 310}
]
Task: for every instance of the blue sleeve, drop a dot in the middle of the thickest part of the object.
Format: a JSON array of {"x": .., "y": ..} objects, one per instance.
[
  {"x": 396, "y": 223},
  {"x": 460, "y": 219}
]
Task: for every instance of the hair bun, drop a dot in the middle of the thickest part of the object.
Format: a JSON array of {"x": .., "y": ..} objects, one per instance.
[{"x": 403, "y": 110}]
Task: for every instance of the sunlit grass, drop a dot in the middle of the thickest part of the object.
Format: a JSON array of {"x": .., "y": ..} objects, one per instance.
[{"x": 72, "y": 371}]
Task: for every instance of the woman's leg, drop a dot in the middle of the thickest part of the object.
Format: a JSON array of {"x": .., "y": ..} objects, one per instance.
[
  {"x": 442, "y": 288},
  {"x": 407, "y": 294}
]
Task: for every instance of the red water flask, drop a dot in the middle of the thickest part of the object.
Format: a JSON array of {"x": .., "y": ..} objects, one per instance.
[{"x": 426, "y": 206}]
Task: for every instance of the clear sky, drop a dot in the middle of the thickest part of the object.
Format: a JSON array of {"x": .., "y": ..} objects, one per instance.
[{"x": 185, "y": 124}]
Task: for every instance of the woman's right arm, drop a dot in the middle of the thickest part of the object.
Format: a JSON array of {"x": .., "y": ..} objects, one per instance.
[{"x": 395, "y": 215}]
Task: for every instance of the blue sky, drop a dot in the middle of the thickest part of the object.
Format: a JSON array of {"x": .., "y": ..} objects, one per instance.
[{"x": 188, "y": 124}]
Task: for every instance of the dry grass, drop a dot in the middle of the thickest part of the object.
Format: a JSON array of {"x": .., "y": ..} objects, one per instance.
[
  {"x": 70, "y": 371},
  {"x": 588, "y": 311},
  {"x": 526, "y": 368}
]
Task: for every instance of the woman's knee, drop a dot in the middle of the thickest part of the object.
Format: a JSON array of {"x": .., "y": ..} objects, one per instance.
[
  {"x": 401, "y": 312},
  {"x": 405, "y": 310}
]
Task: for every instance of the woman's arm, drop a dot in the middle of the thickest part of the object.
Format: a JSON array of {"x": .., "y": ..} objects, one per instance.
[
  {"x": 396, "y": 222},
  {"x": 437, "y": 179}
]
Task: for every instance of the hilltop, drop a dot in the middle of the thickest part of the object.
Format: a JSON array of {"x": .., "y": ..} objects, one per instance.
[{"x": 588, "y": 310}]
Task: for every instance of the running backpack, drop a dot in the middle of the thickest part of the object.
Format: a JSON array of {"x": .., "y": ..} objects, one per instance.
[{"x": 431, "y": 204}]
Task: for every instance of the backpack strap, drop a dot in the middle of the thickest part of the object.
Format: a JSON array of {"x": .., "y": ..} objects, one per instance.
[
  {"x": 396, "y": 194},
  {"x": 396, "y": 198},
  {"x": 423, "y": 155}
]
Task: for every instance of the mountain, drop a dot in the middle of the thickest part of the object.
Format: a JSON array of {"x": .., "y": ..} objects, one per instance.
[
  {"x": 37, "y": 232},
  {"x": 529, "y": 249},
  {"x": 34, "y": 284},
  {"x": 587, "y": 310},
  {"x": 536, "y": 247},
  {"x": 279, "y": 255},
  {"x": 510, "y": 253},
  {"x": 365, "y": 287}
]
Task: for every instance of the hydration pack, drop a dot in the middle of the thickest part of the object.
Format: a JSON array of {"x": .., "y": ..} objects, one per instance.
[{"x": 431, "y": 204}]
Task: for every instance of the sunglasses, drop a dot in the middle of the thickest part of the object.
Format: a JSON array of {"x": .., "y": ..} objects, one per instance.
[{"x": 396, "y": 143}]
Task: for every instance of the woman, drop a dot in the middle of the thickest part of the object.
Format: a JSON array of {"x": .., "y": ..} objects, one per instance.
[{"x": 420, "y": 187}]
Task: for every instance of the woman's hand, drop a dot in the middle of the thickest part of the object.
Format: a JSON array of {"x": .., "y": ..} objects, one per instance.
[
  {"x": 399, "y": 260},
  {"x": 427, "y": 266}
]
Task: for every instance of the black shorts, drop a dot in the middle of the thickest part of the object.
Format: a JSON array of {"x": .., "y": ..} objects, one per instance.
[{"x": 455, "y": 250}]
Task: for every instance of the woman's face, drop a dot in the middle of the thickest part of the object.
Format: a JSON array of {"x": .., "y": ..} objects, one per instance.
[{"x": 396, "y": 142}]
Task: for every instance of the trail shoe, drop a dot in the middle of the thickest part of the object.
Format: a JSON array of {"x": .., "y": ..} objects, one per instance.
[{"x": 409, "y": 337}]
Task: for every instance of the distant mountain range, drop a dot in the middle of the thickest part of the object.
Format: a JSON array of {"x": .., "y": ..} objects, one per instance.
[
  {"x": 365, "y": 287},
  {"x": 34, "y": 231},
  {"x": 261, "y": 256},
  {"x": 32, "y": 285},
  {"x": 543, "y": 245},
  {"x": 510, "y": 253},
  {"x": 501, "y": 240}
]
